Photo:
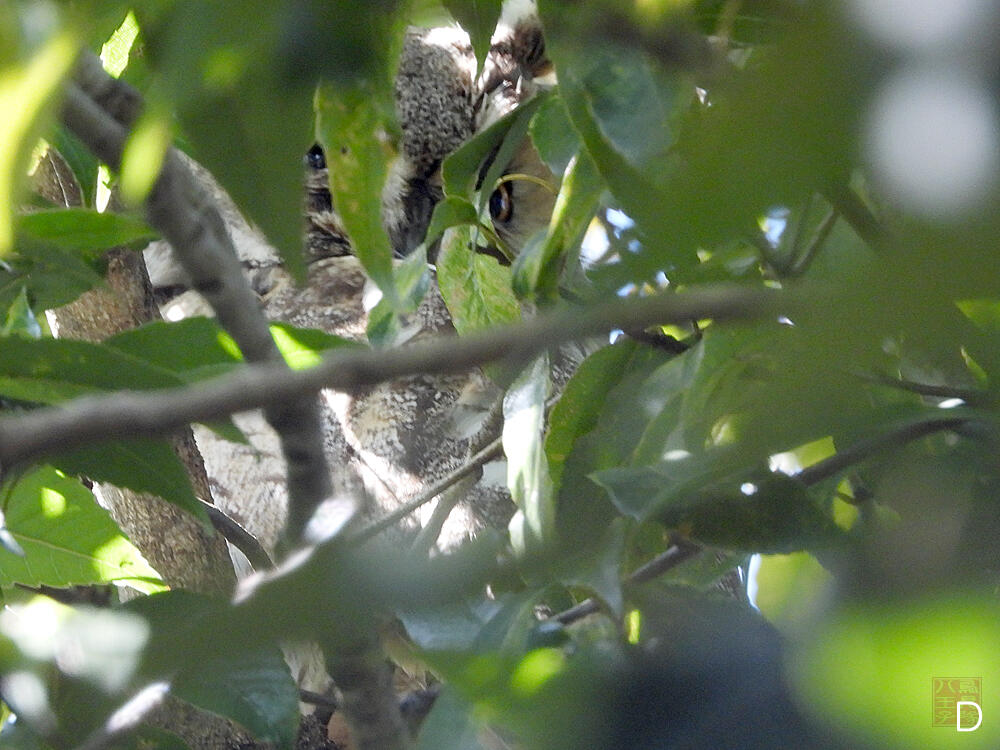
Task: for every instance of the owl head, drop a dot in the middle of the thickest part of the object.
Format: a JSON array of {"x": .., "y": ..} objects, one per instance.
[{"x": 441, "y": 104}]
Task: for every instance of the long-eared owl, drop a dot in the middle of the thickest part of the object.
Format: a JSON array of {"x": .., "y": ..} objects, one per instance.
[{"x": 388, "y": 443}]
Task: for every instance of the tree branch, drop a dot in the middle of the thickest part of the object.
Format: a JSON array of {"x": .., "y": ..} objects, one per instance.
[
  {"x": 864, "y": 449},
  {"x": 239, "y": 537},
  {"x": 678, "y": 552},
  {"x": 33, "y": 435},
  {"x": 847, "y": 203},
  {"x": 971, "y": 396},
  {"x": 99, "y": 110}
]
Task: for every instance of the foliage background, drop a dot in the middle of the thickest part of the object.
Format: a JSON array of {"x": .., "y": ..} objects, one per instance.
[{"x": 847, "y": 163}]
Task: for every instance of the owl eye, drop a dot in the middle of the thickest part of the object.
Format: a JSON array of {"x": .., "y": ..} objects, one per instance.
[{"x": 502, "y": 203}]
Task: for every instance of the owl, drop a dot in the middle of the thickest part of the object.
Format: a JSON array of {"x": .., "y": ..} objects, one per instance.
[
  {"x": 391, "y": 441},
  {"x": 441, "y": 103}
]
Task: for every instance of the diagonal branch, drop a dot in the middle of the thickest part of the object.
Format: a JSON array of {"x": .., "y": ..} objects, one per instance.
[
  {"x": 99, "y": 110},
  {"x": 32, "y": 435}
]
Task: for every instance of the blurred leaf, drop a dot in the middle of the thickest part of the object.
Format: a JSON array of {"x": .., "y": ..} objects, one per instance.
[
  {"x": 52, "y": 277},
  {"x": 536, "y": 268},
  {"x": 790, "y": 589},
  {"x": 246, "y": 119},
  {"x": 475, "y": 287},
  {"x": 85, "y": 231},
  {"x": 841, "y": 671},
  {"x": 553, "y": 135},
  {"x": 533, "y": 525},
  {"x": 715, "y": 500},
  {"x": 460, "y": 172},
  {"x": 66, "y": 537},
  {"x": 598, "y": 566},
  {"x": 450, "y": 725},
  {"x": 621, "y": 112},
  {"x": 140, "y": 464},
  {"x": 250, "y": 685},
  {"x": 348, "y": 122},
  {"x": 304, "y": 347},
  {"x": 479, "y": 18},
  {"x": 581, "y": 403},
  {"x": 82, "y": 163},
  {"x": 21, "y": 321},
  {"x": 752, "y": 22},
  {"x": 184, "y": 348},
  {"x": 115, "y": 52},
  {"x": 59, "y": 368},
  {"x": 255, "y": 690},
  {"x": 455, "y": 626},
  {"x": 27, "y": 95}
]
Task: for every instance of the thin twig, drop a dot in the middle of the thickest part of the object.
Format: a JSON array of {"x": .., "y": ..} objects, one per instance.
[
  {"x": 855, "y": 211},
  {"x": 680, "y": 551},
  {"x": 972, "y": 396},
  {"x": 486, "y": 455},
  {"x": 865, "y": 449},
  {"x": 237, "y": 536},
  {"x": 801, "y": 264}
]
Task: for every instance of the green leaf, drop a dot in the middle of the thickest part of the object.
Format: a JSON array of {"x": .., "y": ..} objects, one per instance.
[
  {"x": 622, "y": 114},
  {"x": 578, "y": 409},
  {"x": 187, "y": 348},
  {"x": 52, "y": 277},
  {"x": 536, "y": 268},
  {"x": 553, "y": 134},
  {"x": 250, "y": 685},
  {"x": 28, "y": 95},
  {"x": 304, "y": 347},
  {"x": 451, "y": 725},
  {"x": 709, "y": 499},
  {"x": 478, "y": 18},
  {"x": 80, "y": 160},
  {"x": 388, "y": 322},
  {"x": 597, "y": 566},
  {"x": 85, "y": 231},
  {"x": 21, "y": 321},
  {"x": 791, "y": 589},
  {"x": 841, "y": 670},
  {"x": 453, "y": 211},
  {"x": 64, "y": 365},
  {"x": 348, "y": 122},
  {"x": 255, "y": 690},
  {"x": 475, "y": 287},
  {"x": 66, "y": 537},
  {"x": 140, "y": 464},
  {"x": 527, "y": 469},
  {"x": 460, "y": 172},
  {"x": 242, "y": 91}
]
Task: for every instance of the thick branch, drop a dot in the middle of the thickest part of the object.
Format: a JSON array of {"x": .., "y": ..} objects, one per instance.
[
  {"x": 99, "y": 109},
  {"x": 34, "y": 434}
]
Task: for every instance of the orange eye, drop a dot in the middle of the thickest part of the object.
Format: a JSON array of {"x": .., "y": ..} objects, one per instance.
[{"x": 502, "y": 203}]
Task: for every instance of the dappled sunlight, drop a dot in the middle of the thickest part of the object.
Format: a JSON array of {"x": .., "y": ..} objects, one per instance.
[{"x": 52, "y": 503}]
